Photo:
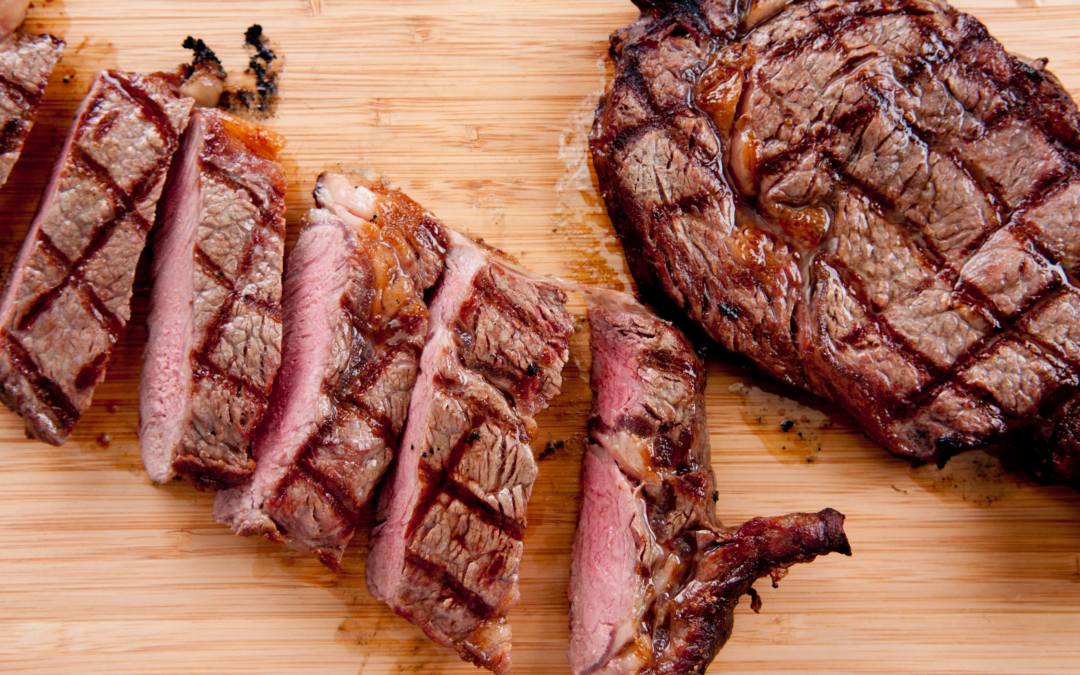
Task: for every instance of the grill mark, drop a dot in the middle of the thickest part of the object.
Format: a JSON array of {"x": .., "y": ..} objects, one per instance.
[
  {"x": 108, "y": 321},
  {"x": 475, "y": 604},
  {"x": 16, "y": 90},
  {"x": 477, "y": 507},
  {"x": 202, "y": 368},
  {"x": 220, "y": 175},
  {"x": 45, "y": 390},
  {"x": 151, "y": 109},
  {"x": 480, "y": 412},
  {"x": 12, "y": 135},
  {"x": 214, "y": 271},
  {"x": 124, "y": 203}
]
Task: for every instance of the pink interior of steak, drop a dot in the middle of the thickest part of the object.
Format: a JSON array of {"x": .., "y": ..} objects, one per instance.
[
  {"x": 165, "y": 387},
  {"x": 605, "y": 584},
  {"x": 69, "y": 291},
  {"x": 451, "y": 519}
]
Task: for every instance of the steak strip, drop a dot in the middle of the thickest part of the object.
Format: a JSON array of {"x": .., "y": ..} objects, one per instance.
[
  {"x": 214, "y": 327},
  {"x": 655, "y": 576},
  {"x": 355, "y": 322},
  {"x": 448, "y": 540},
  {"x": 872, "y": 200},
  {"x": 26, "y": 62},
  {"x": 68, "y": 293}
]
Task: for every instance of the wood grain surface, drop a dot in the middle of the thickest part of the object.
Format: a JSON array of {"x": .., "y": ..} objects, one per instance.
[{"x": 479, "y": 110}]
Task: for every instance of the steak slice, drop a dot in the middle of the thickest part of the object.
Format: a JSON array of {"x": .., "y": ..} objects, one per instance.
[
  {"x": 214, "y": 327},
  {"x": 67, "y": 296},
  {"x": 26, "y": 61},
  {"x": 655, "y": 576},
  {"x": 355, "y": 322},
  {"x": 448, "y": 537},
  {"x": 872, "y": 200}
]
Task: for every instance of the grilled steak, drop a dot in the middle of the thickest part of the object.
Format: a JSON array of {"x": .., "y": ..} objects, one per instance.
[
  {"x": 655, "y": 576},
  {"x": 872, "y": 200},
  {"x": 355, "y": 322},
  {"x": 26, "y": 61},
  {"x": 67, "y": 296},
  {"x": 448, "y": 539},
  {"x": 215, "y": 306}
]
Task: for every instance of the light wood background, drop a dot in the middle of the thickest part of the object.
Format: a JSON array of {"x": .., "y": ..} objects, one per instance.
[{"x": 479, "y": 110}]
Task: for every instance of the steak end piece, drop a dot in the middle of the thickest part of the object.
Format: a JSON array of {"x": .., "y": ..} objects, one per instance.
[
  {"x": 67, "y": 296},
  {"x": 214, "y": 326},
  {"x": 655, "y": 576},
  {"x": 355, "y": 322},
  {"x": 871, "y": 200},
  {"x": 26, "y": 62},
  {"x": 448, "y": 540}
]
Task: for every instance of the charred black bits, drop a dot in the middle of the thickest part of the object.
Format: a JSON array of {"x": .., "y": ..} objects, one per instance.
[
  {"x": 533, "y": 370},
  {"x": 265, "y": 65},
  {"x": 786, "y": 425},
  {"x": 728, "y": 311},
  {"x": 755, "y": 599},
  {"x": 474, "y": 436},
  {"x": 203, "y": 54},
  {"x": 550, "y": 449},
  {"x": 716, "y": 495}
]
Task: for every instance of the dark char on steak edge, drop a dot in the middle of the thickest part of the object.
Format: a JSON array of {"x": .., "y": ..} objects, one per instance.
[
  {"x": 871, "y": 200},
  {"x": 656, "y": 576},
  {"x": 355, "y": 322}
]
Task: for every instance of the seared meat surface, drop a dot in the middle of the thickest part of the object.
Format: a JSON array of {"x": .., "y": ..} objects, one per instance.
[
  {"x": 67, "y": 296},
  {"x": 448, "y": 540},
  {"x": 655, "y": 576},
  {"x": 26, "y": 61},
  {"x": 872, "y": 200},
  {"x": 355, "y": 322},
  {"x": 215, "y": 306}
]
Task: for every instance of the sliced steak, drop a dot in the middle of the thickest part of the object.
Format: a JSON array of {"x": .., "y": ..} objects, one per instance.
[
  {"x": 872, "y": 200},
  {"x": 448, "y": 539},
  {"x": 68, "y": 293},
  {"x": 26, "y": 61},
  {"x": 655, "y": 576},
  {"x": 215, "y": 305},
  {"x": 355, "y": 323}
]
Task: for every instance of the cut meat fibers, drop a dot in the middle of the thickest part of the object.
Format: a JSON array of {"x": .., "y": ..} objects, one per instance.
[
  {"x": 215, "y": 306},
  {"x": 26, "y": 61},
  {"x": 355, "y": 322},
  {"x": 655, "y": 576},
  {"x": 448, "y": 539},
  {"x": 68, "y": 293},
  {"x": 870, "y": 199}
]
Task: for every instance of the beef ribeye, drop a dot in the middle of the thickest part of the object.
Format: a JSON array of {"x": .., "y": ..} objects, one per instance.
[
  {"x": 355, "y": 322},
  {"x": 26, "y": 61},
  {"x": 214, "y": 326},
  {"x": 448, "y": 540},
  {"x": 655, "y": 576},
  {"x": 68, "y": 293},
  {"x": 872, "y": 200}
]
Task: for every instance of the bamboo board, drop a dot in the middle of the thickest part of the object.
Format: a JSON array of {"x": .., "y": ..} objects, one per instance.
[{"x": 479, "y": 111}]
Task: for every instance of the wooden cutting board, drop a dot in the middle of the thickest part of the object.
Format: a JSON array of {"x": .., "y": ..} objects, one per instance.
[{"x": 479, "y": 110}]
